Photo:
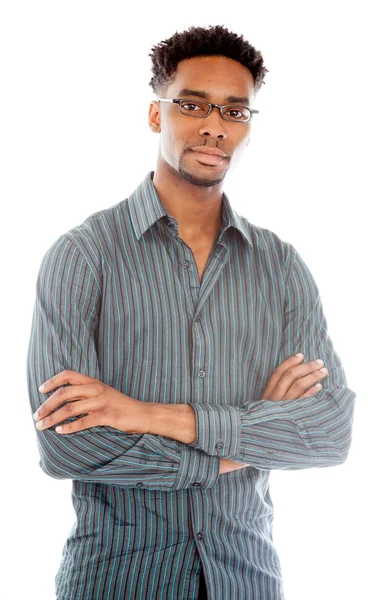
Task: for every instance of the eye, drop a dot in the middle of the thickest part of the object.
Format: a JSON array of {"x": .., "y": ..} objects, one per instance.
[
  {"x": 233, "y": 112},
  {"x": 193, "y": 104},
  {"x": 188, "y": 108}
]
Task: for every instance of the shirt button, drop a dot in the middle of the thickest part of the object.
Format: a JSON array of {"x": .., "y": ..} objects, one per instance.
[
  {"x": 185, "y": 264},
  {"x": 197, "y": 318},
  {"x": 199, "y": 535},
  {"x": 219, "y": 446},
  {"x": 139, "y": 484},
  {"x": 196, "y": 484},
  {"x": 201, "y": 373}
]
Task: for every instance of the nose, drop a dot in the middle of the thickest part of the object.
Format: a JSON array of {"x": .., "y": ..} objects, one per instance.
[{"x": 213, "y": 125}]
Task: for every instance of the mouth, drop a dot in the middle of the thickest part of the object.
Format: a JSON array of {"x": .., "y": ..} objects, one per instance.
[{"x": 209, "y": 159}]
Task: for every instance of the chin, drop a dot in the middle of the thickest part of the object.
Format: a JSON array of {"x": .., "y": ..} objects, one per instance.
[{"x": 202, "y": 176}]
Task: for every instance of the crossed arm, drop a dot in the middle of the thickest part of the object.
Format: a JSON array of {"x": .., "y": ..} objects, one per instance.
[
  {"x": 62, "y": 337},
  {"x": 210, "y": 439},
  {"x": 178, "y": 421}
]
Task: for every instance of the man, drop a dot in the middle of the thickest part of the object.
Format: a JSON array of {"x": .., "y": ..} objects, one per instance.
[{"x": 167, "y": 329}]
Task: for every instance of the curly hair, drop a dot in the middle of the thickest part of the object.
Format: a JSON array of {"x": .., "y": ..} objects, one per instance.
[{"x": 199, "y": 41}]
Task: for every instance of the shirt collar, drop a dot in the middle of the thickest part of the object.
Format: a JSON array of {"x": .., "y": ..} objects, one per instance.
[{"x": 146, "y": 208}]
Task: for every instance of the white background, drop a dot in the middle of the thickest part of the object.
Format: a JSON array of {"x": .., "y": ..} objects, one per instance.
[{"x": 75, "y": 139}]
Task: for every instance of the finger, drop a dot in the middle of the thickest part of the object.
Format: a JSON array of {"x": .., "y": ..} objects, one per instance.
[
  {"x": 68, "y": 394},
  {"x": 71, "y": 409},
  {"x": 85, "y": 422},
  {"x": 296, "y": 380},
  {"x": 279, "y": 371},
  {"x": 64, "y": 377},
  {"x": 312, "y": 391},
  {"x": 302, "y": 384},
  {"x": 308, "y": 394}
]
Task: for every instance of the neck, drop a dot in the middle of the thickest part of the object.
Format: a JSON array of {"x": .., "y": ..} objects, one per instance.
[{"x": 197, "y": 209}]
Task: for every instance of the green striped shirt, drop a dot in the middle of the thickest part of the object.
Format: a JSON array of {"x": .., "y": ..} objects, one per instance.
[{"x": 119, "y": 298}]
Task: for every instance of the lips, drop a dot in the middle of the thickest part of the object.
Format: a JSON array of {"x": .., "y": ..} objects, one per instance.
[
  {"x": 209, "y": 150},
  {"x": 208, "y": 159}
]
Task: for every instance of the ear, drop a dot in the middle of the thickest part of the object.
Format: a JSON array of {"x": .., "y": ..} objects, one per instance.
[{"x": 154, "y": 117}]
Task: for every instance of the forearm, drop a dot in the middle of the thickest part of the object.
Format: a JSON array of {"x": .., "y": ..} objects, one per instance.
[
  {"x": 226, "y": 465},
  {"x": 177, "y": 421}
]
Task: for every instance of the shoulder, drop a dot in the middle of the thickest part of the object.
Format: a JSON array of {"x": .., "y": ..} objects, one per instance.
[
  {"x": 94, "y": 238},
  {"x": 97, "y": 233},
  {"x": 269, "y": 246}
]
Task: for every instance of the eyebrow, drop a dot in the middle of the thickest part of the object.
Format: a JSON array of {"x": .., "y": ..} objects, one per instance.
[{"x": 206, "y": 96}]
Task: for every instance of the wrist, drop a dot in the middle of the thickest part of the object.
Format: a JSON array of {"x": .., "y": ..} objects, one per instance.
[
  {"x": 226, "y": 465},
  {"x": 175, "y": 421}
]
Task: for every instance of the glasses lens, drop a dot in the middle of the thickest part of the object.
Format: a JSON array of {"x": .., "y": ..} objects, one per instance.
[
  {"x": 201, "y": 109},
  {"x": 194, "y": 109},
  {"x": 236, "y": 113}
]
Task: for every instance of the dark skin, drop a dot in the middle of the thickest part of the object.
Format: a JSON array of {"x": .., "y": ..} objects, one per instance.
[
  {"x": 190, "y": 191},
  {"x": 192, "y": 194}
]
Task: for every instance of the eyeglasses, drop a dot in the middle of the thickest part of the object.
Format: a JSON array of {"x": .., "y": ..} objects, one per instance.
[{"x": 201, "y": 109}]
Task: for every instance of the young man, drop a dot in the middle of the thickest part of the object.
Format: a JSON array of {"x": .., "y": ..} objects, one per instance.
[{"x": 167, "y": 329}]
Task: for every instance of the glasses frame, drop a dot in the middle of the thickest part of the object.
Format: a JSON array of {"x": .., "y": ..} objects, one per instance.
[{"x": 211, "y": 106}]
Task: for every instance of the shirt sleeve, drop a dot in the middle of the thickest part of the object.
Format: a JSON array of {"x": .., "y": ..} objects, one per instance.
[
  {"x": 288, "y": 434},
  {"x": 63, "y": 336}
]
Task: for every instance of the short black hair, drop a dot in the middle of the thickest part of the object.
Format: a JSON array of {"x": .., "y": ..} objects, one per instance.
[{"x": 199, "y": 41}]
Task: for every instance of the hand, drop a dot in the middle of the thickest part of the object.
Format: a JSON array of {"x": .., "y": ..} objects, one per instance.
[
  {"x": 103, "y": 404},
  {"x": 290, "y": 380}
]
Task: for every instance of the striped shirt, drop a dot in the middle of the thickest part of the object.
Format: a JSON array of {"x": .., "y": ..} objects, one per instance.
[{"x": 119, "y": 298}]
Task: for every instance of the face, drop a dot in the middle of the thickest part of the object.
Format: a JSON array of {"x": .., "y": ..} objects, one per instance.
[{"x": 218, "y": 77}]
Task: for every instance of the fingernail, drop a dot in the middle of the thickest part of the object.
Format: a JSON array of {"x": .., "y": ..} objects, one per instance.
[
  {"x": 300, "y": 355},
  {"x": 39, "y": 424},
  {"x": 41, "y": 387},
  {"x": 35, "y": 416}
]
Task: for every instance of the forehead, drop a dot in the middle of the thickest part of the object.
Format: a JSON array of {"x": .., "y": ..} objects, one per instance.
[{"x": 217, "y": 76}]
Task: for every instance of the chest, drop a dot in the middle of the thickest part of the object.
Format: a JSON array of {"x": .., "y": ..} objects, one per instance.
[
  {"x": 169, "y": 333},
  {"x": 201, "y": 252},
  {"x": 201, "y": 257}
]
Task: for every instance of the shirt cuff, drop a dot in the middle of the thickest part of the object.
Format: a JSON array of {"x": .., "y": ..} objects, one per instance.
[
  {"x": 196, "y": 469},
  {"x": 218, "y": 429}
]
